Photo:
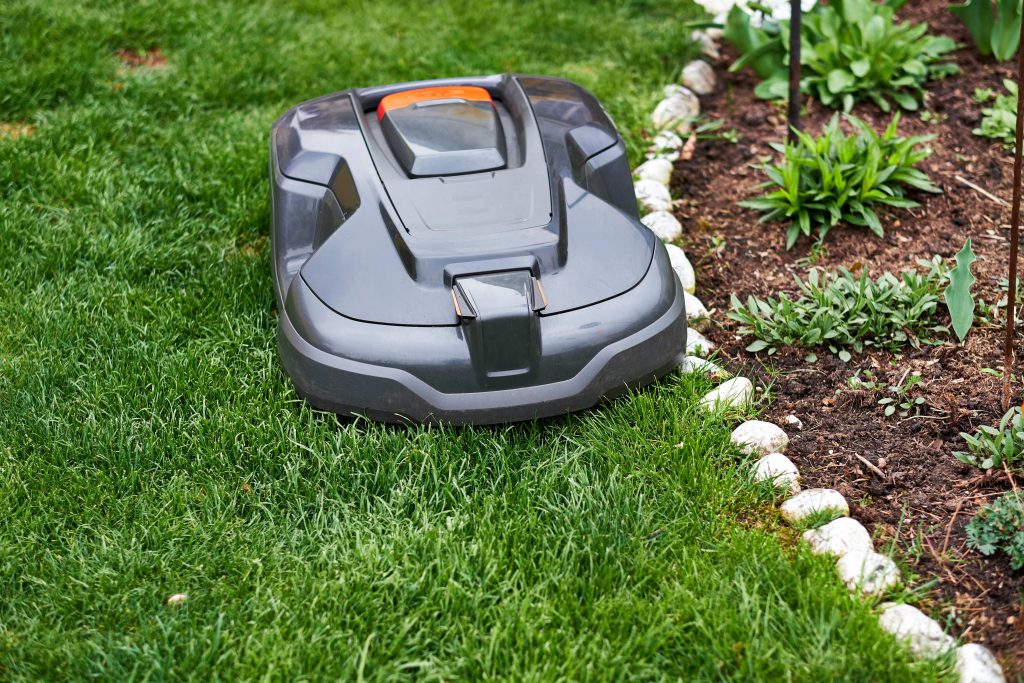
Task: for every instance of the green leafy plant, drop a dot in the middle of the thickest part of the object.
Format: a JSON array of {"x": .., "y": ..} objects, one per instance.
[
  {"x": 982, "y": 95},
  {"x": 999, "y": 526},
  {"x": 999, "y": 121},
  {"x": 958, "y": 297},
  {"x": 851, "y": 50},
  {"x": 990, "y": 447},
  {"x": 868, "y": 382},
  {"x": 901, "y": 399},
  {"x": 844, "y": 311},
  {"x": 994, "y": 26},
  {"x": 761, "y": 47},
  {"x": 839, "y": 178}
]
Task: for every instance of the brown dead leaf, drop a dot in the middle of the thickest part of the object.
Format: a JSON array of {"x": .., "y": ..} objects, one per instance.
[
  {"x": 150, "y": 59},
  {"x": 686, "y": 153},
  {"x": 15, "y": 130}
]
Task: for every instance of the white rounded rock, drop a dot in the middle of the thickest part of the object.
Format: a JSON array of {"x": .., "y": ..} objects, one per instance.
[
  {"x": 177, "y": 599},
  {"x": 697, "y": 364},
  {"x": 683, "y": 268},
  {"x": 813, "y": 502},
  {"x": 658, "y": 170},
  {"x": 696, "y": 311},
  {"x": 975, "y": 664},
  {"x": 759, "y": 437},
  {"x": 732, "y": 393},
  {"x": 921, "y": 633},
  {"x": 839, "y": 537},
  {"x": 708, "y": 48},
  {"x": 699, "y": 77},
  {"x": 869, "y": 572},
  {"x": 794, "y": 421},
  {"x": 677, "y": 111},
  {"x": 652, "y": 195},
  {"x": 778, "y": 469},
  {"x": 664, "y": 225},
  {"x": 666, "y": 145},
  {"x": 697, "y": 344}
]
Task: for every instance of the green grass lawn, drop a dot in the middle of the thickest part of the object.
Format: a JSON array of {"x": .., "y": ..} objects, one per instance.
[{"x": 150, "y": 445}]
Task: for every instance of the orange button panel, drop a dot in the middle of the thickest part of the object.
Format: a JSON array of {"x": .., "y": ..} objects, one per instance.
[{"x": 402, "y": 99}]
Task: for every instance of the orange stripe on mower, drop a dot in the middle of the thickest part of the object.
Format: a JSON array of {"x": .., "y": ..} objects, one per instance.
[{"x": 402, "y": 99}]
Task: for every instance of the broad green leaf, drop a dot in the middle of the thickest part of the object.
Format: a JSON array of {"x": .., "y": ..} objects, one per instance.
[
  {"x": 839, "y": 80},
  {"x": 747, "y": 38},
  {"x": 1006, "y": 29},
  {"x": 905, "y": 100},
  {"x": 959, "y": 299},
  {"x": 752, "y": 57},
  {"x": 775, "y": 87},
  {"x": 861, "y": 67}
]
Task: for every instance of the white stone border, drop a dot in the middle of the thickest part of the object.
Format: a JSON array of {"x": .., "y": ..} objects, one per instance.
[{"x": 859, "y": 566}]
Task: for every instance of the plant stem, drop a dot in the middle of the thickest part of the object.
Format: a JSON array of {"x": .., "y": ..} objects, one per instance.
[
  {"x": 1011, "y": 295},
  {"x": 793, "y": 118}
]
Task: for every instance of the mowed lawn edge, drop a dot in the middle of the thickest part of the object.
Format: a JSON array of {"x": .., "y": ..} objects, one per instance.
[{"x": 150, "y": 445}]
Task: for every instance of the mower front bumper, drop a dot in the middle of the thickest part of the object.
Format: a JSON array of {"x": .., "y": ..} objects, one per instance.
[{"x": 426, "y": 374}]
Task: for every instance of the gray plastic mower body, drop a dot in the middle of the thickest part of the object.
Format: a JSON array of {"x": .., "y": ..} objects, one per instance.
[{"x": 412, "y": 285}]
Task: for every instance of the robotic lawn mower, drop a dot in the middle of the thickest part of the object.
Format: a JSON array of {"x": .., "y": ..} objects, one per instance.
[{"x": 464, "y": 251}]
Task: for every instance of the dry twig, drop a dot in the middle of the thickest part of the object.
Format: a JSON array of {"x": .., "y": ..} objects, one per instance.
[{"x": 982, "y": 191}]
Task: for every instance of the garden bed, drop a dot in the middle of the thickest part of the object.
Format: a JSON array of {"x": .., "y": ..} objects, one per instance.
[{"x": 916, "y": 494}]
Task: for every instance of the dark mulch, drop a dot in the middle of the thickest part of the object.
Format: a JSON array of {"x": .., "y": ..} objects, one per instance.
[{"x": 926, "y": 497}]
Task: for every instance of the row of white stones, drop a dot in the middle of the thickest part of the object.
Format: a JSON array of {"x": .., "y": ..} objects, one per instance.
[{"x": 860, "y": 567}]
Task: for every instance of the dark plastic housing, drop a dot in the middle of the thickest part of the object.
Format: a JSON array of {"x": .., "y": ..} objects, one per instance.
[{"x": 451, "y": 293}]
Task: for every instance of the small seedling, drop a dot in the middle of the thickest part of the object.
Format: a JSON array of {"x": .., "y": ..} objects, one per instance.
[
  {"x": 867, "y": 384},
  {"x": 999, "y": 121},
  {"x": 712, "y": 130},
  {"x": 901, "y": 399},
  {"x": 817, "y": 253},
  {"x": 929, "y": 116},
  {"x": 983, "y": 95}
]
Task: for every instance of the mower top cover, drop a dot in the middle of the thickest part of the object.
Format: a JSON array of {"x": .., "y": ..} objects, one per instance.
[
  {"x": 464, "y": 251},
  {"x": 443, "y": 131}
]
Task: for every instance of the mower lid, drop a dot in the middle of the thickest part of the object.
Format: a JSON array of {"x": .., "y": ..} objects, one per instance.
[
  {"x": 441, "y": 131},
  {"x": 410, "y": 215}
]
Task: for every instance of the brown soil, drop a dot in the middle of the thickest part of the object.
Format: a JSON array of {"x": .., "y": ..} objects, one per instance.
[
  {"x": 130, "y": 59},
  {"x": 925, "y": 497}
]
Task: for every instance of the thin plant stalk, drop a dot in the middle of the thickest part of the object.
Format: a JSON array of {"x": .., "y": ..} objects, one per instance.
[
  {"x": 793, "y": 117},
  {"x": 1011, "y": 295}
]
